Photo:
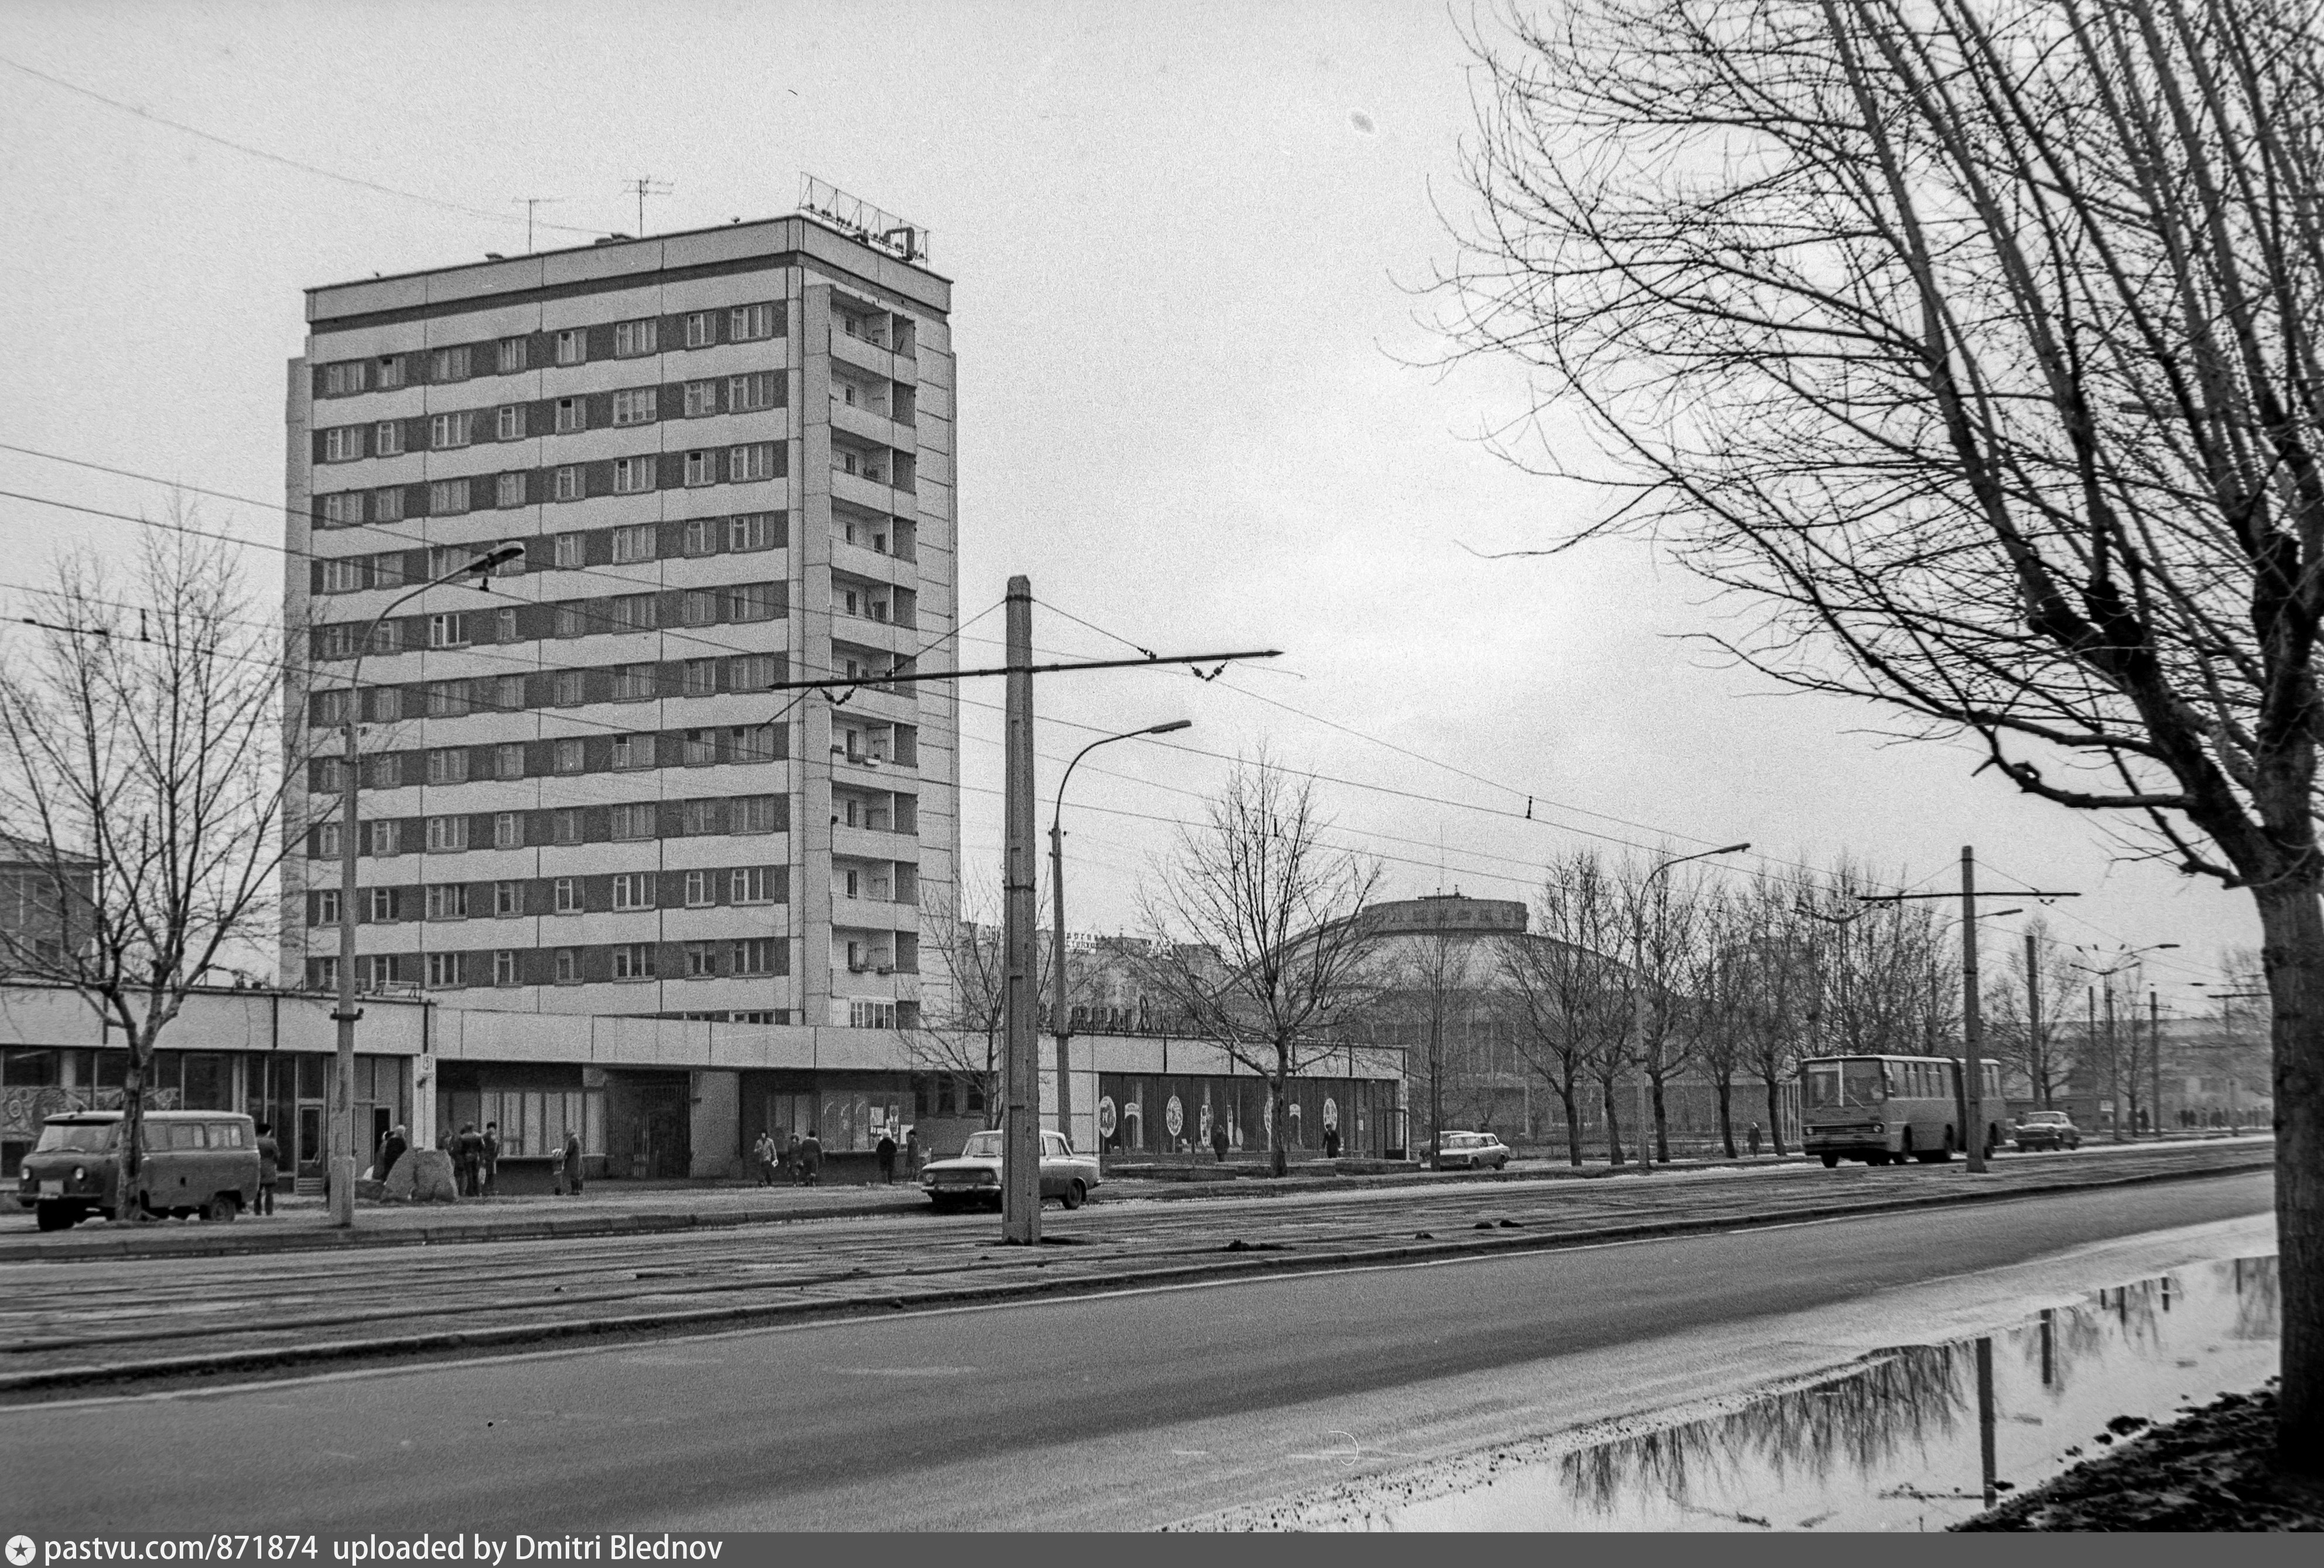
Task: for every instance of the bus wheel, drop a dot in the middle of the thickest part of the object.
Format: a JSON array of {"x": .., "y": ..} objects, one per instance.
[{"x": 1830, "y": 1162}]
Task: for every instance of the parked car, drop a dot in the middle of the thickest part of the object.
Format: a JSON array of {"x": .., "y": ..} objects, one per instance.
[
  {"x": 2046, "y": 1129},
  {"x": 974, "y": 1174},
  {"x": 197, "y": 1162},
  {"x": 1471, "y": 1151}
]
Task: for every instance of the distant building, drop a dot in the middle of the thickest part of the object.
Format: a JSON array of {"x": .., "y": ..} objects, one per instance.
[{"x": 43, "y": 893}]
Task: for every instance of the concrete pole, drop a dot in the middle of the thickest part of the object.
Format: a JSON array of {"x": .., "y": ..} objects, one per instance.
[
  {"x": 2035, "y": 1059},
  {"x": 340, "y": 1133},
  {"x": 1972, "y": 1035},
  {"x": 2154, "y": 1061},
  {"x": 2114, "y": 1066},
  {"x": 1020, "y": 1173},
  {"x": 1058, "y": 1022}
]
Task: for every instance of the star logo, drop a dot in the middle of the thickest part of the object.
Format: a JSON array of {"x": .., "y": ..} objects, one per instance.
[{"x": 19, "y": 1550}]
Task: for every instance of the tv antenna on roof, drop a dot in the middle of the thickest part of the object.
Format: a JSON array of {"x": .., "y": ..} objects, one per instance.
[
  {"x": 643, "y": 186},
  {"x": 530, "y": 203}
]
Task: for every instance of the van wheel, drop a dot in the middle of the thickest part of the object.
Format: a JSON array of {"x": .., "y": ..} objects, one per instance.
[
  {"x": 222, "y": 1208},
  {"x": 1832, "y": 1162},
  {"x": 55, "y": 1216},
  {"x": 1074, "y": 1195}
]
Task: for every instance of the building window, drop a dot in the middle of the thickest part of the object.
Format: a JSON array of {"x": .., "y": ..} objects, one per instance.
[
  {"x": 697, "y": 818},
  {"x": 508, "y": 899},
  {"x": 508, "y": 761},
  {"x": 387, "y": 438},
  {"x": 632, "y": 338},
  {"x": 701, "y": 468},
  {"x": 509, "y": 490},
  {"x": 447, "y": 631},
  {"x": 509, "y": 423},
  {"x": 447, "y": 497},
  {"x": 701, "y": 332},
  {"x": 446, "y": 971},
  {"x": 387, "y": 505},
  {"x": 508, "y": 830},
  {"x": 633, "y": 961},
  {"x": 447, "y": 835},
  {"x": 755, "y": 461},
  {"x": 634, "y": 544},
  {"x": 343, "y": 378},
  {"x": 326, "y": 907},
  {"x": 632, "y": 821},
  {"x": 572, "y": 346},
  {"x": 750, "y": 885},
  {"x": 753, "y": 531},
  {"x": 699, "y": 607},
  {"x": 448, "y": 765},
  {"x": 701, "y": 960},
  {"x": 511, "y": 357},
  {"x": 700, "y": 678},
  {"x": 634, "y": 890},
  {"x": 750, "y": 602},
  {"x": 871, "y": 1015},
  {"x": 567, "y": 756},
  {"x": 746, "y": 323},
  {"x": 446, "y": 431},
  {"x": 755, "y": 955},
  {"x": 700, "y": 537},
  {"x": 386, "y": 836},
  {"x": 753, "y": 814},
  {"x": 448, "y": 900},
  {"x": 753, "y": 743},
  {"x": 633, "y": 475},
  {"x": 633, "y": 751},
  {"x": 342, "y": 510},
  {"x": 450, "y": 365},
  {"x": 504, "y": 966},
  {"x": 390, "y": 372},
  {"x": 572, "y": 415},
  {"x": 383, "y": 906},
  {"x": 754, "y": 673},
  {"x": 448, "y": 699},
  {"x": 568, "y": 548},
  {"x": 639, "y": 406},
  {"x": 747, "y": 394},
  {"x": 568, "y": 892},
  {"x": 564, "y": 825},
  {"x": 327, "y": 840},
  {"x": 343, "y": 445},
  {"x": 568, "y": 966},
  {"x": 634, "y": 683},
  {"x": 700, "y": 894},
  {"x": 567, "y": 691},
  {"x": 701, "y": 398}
]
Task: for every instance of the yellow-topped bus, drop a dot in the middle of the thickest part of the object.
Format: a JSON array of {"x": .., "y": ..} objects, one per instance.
[{"x": 1884, "y": 1110}]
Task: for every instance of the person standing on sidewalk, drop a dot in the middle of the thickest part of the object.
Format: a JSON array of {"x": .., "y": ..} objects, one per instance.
[
  {"x": 811, "y": 1160},
  {"x": 794, "y": 1159},
  {"x": 764, "y": 1152},
  {"x": 887, "y": 1152},
  {"x": 269, "y": 1168},
  {"x": 911, "y": 1154},
  {"x": 491, "y": 1159},
  {"x": 1219, "y": 1140},
  {"x": 1754, "y": 1138},
  {"x": 571, "y": 1168}
]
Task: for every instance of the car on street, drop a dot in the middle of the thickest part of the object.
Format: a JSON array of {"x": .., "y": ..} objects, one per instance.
[
  {"x": 972, "y": 1176},
  {"x": 1471, "y": 1151},
  {"x": 2046, "y": 1129},
  {"x": 196, "y": 1162}
]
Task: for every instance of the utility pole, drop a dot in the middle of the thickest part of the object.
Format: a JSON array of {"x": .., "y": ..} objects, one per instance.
[
  {"x": 1020, "y": 1148},
  {"x": 2154, "y": 1060},
  {"x": 2037, "y": 1058},
  {"x": 2113, "y": 1065},
  {"x": 2090, "y": 1053}
]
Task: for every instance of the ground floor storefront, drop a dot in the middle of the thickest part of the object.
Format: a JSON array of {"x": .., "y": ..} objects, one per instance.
[{"x": 1162, "y": 1113}]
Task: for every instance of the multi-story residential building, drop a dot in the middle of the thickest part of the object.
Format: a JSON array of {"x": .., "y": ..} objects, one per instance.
[{"x": 728, "y": 457}]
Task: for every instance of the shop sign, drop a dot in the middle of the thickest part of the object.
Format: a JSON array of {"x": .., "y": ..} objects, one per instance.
[
  {"x": 1105, "y": 1116},
  {"x": 1173, "y": 1117}
]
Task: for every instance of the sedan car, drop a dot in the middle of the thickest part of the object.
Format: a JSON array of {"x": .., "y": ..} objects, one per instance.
[
  {"x": 974, "y": 1174},
  {"x": 2046, "y": 1129},
  {"x": 1471, "y": 1151}
]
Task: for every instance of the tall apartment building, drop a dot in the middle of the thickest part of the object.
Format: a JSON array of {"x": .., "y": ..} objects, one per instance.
[{"x": 728, "y": 455}]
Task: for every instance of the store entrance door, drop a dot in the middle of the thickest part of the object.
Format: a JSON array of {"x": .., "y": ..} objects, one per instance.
[{"x": 663, "y": 1149}]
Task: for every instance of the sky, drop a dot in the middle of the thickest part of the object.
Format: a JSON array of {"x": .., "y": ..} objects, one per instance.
[{"x": 1203, "y": 401}]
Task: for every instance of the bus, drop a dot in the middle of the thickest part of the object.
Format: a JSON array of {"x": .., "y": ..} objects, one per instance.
[{"x": 1887, "y": 1110}]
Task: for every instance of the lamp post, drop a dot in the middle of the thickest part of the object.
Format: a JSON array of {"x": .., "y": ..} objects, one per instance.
[
  {"x": 2114, "y": 1087},
  {"x": 1638, "y": 1008},
  {"x": 342, "y": 1138},
  {"x": 1060, "y": 1025}
]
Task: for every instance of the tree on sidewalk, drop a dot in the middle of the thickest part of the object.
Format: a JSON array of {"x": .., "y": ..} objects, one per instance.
[
  {"x": 1564, "y": 995},
  {"x": 144, "y": 783},
  {"x": 1976, "y": 342},
  {"x": 1256, "y": 940}
]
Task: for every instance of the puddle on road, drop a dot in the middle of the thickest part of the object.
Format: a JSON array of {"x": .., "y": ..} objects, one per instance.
[{"x": 1914, "y": 1438}]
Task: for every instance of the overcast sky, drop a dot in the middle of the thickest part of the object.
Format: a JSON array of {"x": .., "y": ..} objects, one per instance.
[{"x": 1190, "y": 246}]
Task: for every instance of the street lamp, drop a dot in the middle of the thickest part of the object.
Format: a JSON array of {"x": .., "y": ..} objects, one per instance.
[
  {"x": 2127, "y": 957},
  {"x": 1638, "y": 1008},
  {"x": 1061, "y": 1024},
  {"x": 342, "y": 1185}
]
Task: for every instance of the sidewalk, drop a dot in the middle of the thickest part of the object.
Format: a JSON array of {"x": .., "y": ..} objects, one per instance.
[{"x": 617, "y": 1209}]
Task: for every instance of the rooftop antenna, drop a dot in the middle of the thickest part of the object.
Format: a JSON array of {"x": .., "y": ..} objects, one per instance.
[
  {"x": 643, "y": 186},
  {"x": 528, "y": 203}
]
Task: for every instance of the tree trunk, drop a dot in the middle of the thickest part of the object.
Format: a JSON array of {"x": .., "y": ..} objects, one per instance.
[
  {"x": 1279, "y": 1162},
  {"x": 1572, "y": 1124},
  {"x": 1613, "y": 1124},
  {"x": 1662, "y": 1122},
  {"x": 132, "y": 1132},
  {"x": 1725, "y": 1083},
  {"x": 2291, "y": 924},
  {"x": 1775, "y": 1114}
]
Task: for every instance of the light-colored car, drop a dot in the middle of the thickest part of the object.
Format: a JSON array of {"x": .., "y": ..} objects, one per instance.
[
  {"x": 1471, "y": 1151},
  {"x": 974, "y": 1174},
  {"x": 2046, "y": 1129}
]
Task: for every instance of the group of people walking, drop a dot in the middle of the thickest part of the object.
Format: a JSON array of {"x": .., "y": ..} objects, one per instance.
[{"x": 799, "y": 1162}]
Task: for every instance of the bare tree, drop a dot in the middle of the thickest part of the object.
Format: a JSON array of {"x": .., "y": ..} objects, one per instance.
[
  {"x": 1434, "y": 975},
  {"x": 964, "y": 1037},
  {"x": 2026, "y": 1025},
  {"x": 1259, "y": 888},
  {"x": 143, "y": 786},
  {"x": 1770, "y": 965},
  {"x": 1564, "y": 993},
  {"x": 1718, "y": 1019},
  {"x": 1662, "y": 913},
  {"x": 1974, "y": 340}
]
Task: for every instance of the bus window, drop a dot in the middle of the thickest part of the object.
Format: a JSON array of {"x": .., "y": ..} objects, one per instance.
[{"x": 1831, "y": 1085}]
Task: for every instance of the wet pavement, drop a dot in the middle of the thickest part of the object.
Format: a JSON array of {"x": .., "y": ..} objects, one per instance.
[{"x": 1917, "y": 1437}]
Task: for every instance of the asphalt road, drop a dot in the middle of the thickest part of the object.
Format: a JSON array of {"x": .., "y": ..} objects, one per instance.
[{"x": 1114, "y": 1410}]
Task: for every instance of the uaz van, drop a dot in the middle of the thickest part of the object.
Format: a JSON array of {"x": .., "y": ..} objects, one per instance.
[{"x": 197, "y": 1162}]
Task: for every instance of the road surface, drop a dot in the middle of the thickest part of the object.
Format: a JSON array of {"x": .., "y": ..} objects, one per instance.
[{"x": 1111, "y": 1411}]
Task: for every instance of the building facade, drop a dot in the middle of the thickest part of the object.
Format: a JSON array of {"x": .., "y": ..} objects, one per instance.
[{"x": 727, "y": 455}]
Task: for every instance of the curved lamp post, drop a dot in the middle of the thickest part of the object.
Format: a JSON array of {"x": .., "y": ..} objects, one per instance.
[
  {"x": 1061, "y": 1024},
  {"x": 1639, "y": 1010},
  {"x": 342, "y": 1184}
]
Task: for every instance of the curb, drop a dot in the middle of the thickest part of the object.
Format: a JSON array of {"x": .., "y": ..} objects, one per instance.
[{"x": 1246, "y": 1266}]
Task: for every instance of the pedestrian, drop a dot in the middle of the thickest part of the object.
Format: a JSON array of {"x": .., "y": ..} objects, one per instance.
[
  {"x": 1219, "y": 1140},
  {"x": 492, "y": 1158},
  {"x": 765, "y": 1151},
  {"x": 911, "y": 1154},
  {"x": 886, "y": 1152},
  {"x": 572, "y": 1164},
  {"x": 391, "y": 1148},
  {"x": 468, "y": 1158},
  {"x": 269, "y": 1168},
  {"x": 810, "y": 1154},
  {"x": 1753, "y": 1136},
  {"x": 794, "y": 1159},
  {"x": 1330, "y": 1143}
]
